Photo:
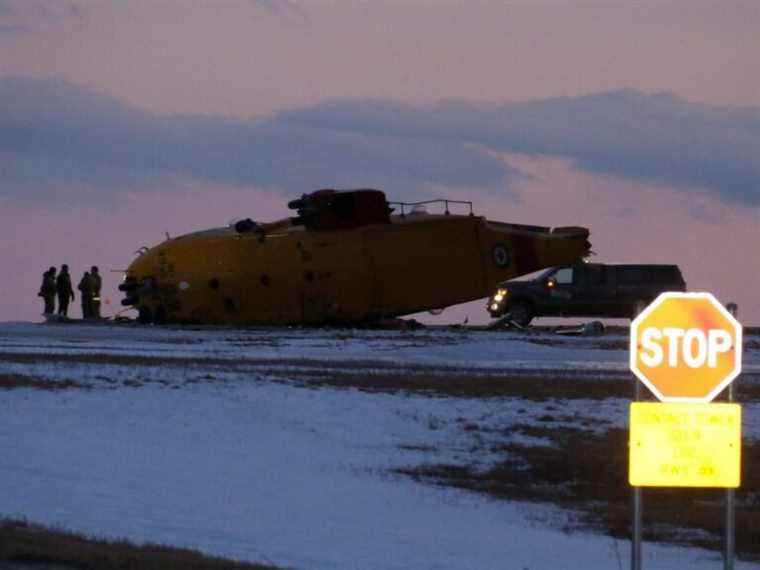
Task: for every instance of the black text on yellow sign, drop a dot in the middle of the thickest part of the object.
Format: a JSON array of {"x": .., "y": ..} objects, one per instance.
[{"x": 685, "y": 445}]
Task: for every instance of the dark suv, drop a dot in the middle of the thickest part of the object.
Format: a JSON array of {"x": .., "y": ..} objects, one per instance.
[{"x": 585, "y": 290}]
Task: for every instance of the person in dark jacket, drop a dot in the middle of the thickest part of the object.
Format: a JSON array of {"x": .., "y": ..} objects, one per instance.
[
  {"x": 47, "y": 290},
  {"x": 64, "y": 290},
  {"x": 85, "y": 288},
  {"x": 97, "y": 284}
]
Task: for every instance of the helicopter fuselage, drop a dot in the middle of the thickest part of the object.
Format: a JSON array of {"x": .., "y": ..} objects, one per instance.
[{"x": 298, "y": 275}]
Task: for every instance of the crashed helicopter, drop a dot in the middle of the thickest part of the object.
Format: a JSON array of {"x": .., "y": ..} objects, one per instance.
[{"x": 348, "y": 256}]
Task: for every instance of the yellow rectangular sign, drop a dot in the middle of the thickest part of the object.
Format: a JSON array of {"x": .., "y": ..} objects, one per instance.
[{"x": 685, "y": 445}]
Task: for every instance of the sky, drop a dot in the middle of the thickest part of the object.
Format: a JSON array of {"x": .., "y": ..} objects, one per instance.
[{"x": 123, "y": 121}]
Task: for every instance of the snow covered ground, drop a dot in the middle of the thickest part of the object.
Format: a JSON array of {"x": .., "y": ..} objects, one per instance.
[{"x": 205, "y": 438}]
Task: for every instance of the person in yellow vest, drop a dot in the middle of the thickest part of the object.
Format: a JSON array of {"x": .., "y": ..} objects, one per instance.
[{"x": 97, "y": 284}]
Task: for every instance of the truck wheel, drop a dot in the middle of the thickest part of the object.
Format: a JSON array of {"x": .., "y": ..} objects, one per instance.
[{"x": 520, "y": 313}]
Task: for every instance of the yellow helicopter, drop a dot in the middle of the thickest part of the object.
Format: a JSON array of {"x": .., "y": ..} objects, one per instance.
[{"x": 347, "y": 257}]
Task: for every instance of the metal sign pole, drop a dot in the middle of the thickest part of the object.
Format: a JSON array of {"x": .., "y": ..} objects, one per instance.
[
  {"x": 729, "y": 542},
  {"x": 636, "y": 542}
]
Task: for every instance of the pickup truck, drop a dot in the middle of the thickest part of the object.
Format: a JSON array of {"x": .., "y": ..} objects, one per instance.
[{"x": 584, "y": 290}]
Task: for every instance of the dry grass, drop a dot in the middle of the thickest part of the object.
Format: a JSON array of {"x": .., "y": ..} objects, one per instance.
[
  {"x": 32, "y": 544},
  {"x": 532, "y": 385},
  {"x": 11, "y": 381},
  {"x": 588, "y": 473},
  {"x": 100, "y": 359},
  {"x": 529, "y": 386}
]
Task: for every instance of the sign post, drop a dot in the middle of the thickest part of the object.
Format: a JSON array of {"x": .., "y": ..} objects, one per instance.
[
  {"x": 729, "y": 545},
  {"x": 636, "y": 542},
  {"x": 686, "y": 348}
]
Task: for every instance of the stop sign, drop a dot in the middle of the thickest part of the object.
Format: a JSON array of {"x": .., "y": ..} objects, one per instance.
[{"x": 686, "y": 347}]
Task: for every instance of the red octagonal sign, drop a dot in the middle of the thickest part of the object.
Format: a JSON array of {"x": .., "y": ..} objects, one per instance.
[{"x": 686, "y": 347}]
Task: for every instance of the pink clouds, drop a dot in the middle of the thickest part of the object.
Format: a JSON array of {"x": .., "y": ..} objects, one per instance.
[{"x": 235, "y": 58}]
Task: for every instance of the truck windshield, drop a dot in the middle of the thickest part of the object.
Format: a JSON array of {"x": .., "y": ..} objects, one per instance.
[{"x": 544, "y": 274}]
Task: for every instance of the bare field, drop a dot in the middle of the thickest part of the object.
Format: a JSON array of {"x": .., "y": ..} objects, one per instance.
[
  {"x": 586, "y": 473},
  {"x": 514, "y": 419},
  {"x": 34, "y": 546},
  {"x": 577, "y": 467}
]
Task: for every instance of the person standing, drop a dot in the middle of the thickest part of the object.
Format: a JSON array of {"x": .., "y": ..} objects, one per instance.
[
  {"x": 85, "y": 288},
  {"x": 97, "y": 284},
  {"x": 47, "y": 290},
  {"x": 64, "y": 290}
]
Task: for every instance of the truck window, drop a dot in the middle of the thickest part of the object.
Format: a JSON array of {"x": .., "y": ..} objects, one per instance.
[{"x": 564, "y": 276}]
